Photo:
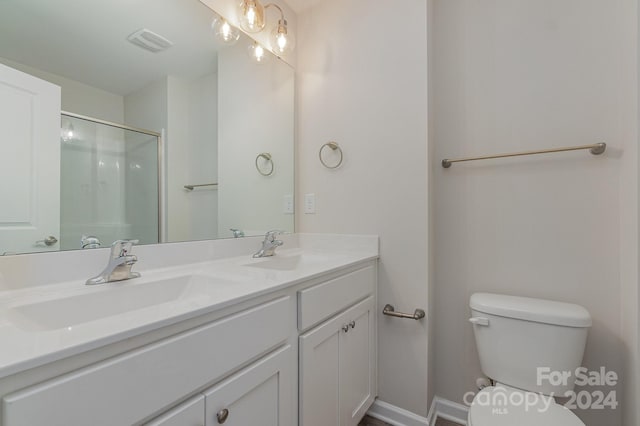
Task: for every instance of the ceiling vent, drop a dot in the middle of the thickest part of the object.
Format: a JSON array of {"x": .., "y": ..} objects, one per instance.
[{"x": 149, "y": 40}]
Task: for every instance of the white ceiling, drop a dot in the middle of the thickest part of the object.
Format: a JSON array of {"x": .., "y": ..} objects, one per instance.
[{"x": 85, "y": 40}]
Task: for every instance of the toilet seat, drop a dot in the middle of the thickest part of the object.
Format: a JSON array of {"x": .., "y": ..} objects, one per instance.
[{"x": 502, "y": 405}]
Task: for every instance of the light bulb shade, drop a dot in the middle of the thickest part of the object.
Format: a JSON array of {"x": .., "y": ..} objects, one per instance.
[
  {"x": 251, "y": 16},
  {"x": 66, "y": 131},
  {"x": 282, "y": 42},
  {"x": 224, "y": 32},
  {"x": 257, "y": 53}
]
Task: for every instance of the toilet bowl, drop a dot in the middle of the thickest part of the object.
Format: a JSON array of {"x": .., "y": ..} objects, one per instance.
[
  {"x": 515, "y": 337},
  {"x": 501, "y": 405}
]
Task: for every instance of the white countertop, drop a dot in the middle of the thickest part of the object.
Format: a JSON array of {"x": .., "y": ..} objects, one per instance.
[{"x": 201, "y": 287}]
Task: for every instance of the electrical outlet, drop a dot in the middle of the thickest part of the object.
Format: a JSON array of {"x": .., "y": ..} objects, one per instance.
[{"x": 309, "y": 203}]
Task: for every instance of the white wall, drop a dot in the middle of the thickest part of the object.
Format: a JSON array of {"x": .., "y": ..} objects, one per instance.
[
  {"x": 187, "y": 110},
  {"x": 176, "y": 148},
  {"x": 79, "y": 98},
  {"x": 511, "y": 76},
  {"x": 203, "y": 156},
  {"x": 255, "y": 106},
  {"x": 362, "y": 69}
]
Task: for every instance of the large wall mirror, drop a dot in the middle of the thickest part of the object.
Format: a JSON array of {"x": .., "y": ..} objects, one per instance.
[{"x": 162, "y": 133}]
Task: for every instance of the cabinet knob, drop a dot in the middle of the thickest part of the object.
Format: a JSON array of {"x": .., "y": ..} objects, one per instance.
[
  {"x": 345, "y": 328},
  {"x": 222, "y": 415},
  {"x": 352, "y": 324}
]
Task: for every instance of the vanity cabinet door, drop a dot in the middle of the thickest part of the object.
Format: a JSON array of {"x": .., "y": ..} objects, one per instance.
[
  {"x": 337, "y": 368},
  {"x": 357, "y": 364},
  {"x": 261, "y": 394},
  {"x": 190, "y": 413}
]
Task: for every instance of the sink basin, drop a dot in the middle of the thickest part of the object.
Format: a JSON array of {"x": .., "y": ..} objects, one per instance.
[
  {"x": 106, "y": 302},
  {"x": 289, "y": 262}
]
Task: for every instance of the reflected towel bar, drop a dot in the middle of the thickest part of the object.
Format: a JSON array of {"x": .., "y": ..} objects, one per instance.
[
  {"x": 190, "y": 187},
  {"x": 389, "y": 310},
  {"x": 595, "y": 149}
]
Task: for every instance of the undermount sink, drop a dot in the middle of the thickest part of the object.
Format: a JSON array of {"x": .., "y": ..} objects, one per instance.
[
  {"x": 107, "y": 301},
  {"x": 287, "y": 262}
]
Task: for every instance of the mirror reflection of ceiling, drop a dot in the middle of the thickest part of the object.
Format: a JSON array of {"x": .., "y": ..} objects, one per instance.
[{"x": 86, "y": 40}]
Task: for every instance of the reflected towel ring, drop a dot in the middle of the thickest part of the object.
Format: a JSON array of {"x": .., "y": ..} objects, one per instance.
[
  {"x": 334, "y": 146},
  {"x": 268, "y": 159}
]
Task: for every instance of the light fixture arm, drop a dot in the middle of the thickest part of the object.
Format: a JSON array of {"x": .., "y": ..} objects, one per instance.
[{"x": 266, "y": 6}]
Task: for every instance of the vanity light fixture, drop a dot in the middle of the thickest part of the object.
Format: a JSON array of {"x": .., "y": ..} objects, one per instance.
[
  {"x": 252, "y": 16},
  {"x": 66, "y": 131},
  {"x": 252, "y": 20},
  {"x": 258, "y": 53},
  {"x": 224, "y": 32}
]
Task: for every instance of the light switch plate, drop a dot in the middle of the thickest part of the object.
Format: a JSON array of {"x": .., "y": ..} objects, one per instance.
[
  {"x": 287, "y": 206},
  {"x": 309, "y": 203}
]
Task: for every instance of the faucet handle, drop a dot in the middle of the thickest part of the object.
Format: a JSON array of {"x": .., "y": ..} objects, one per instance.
[
  {"x": 120, "y": 248},
  {"x": 271, "y": 235}
]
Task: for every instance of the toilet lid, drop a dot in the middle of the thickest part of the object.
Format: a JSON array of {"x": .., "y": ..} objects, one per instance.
[{"x": 504, "y": 406}]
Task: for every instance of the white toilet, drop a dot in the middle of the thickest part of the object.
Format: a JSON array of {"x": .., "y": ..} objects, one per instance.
[{"x": 517, "y": 336}]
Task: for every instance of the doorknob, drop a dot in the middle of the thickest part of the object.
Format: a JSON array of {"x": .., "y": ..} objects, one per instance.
[{"x": 49, "y": 241}]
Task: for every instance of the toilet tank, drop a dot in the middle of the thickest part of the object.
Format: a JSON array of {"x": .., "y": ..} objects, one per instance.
[{"x": 530, "y": 344}]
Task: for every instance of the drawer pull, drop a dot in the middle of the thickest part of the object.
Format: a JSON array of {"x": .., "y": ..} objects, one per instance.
[
  {"x": 222, "y": 415},
  {"x": 352, "y": 324},
  {"x": 345, "y": 328}
]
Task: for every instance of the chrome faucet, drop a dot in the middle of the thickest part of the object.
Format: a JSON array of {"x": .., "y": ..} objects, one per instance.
[
  {"x": 237, "y": 233},
  {"x": 120, "y": 263},
  {"x": 90, "y": 242},
  {"x": 270, "y": 244}
]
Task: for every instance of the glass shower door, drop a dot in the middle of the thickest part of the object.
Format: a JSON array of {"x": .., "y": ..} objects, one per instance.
[{"x": 109, "y": 183}]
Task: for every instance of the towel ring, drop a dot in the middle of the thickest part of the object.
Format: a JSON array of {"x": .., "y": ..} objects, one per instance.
[
  {"x": 334, "y": 146},
  {"x": 268, "y": 159}
]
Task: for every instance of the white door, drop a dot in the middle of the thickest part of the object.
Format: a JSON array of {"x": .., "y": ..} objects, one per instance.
[
  {"x": 29, "y": 163},
  {"x": 260, "y": 395}
]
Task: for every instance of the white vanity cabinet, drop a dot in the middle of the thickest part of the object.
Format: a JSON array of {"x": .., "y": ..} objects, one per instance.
[
  {"x": 190, "y": 413},
  {"x": 302, "y": 354},
  {"x": 337, "y": 373},
  {"x": 128, "y": 388},
  {"x": 261, "y": 394}
]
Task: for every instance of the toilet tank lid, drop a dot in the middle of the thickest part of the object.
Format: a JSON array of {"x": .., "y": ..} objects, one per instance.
[{"x": 530, "y": 309}]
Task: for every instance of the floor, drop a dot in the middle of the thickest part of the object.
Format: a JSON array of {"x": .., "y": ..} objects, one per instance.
[{"x": 370, "y": 421}]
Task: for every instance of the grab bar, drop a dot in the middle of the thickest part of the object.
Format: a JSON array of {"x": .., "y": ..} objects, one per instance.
[
  {"x": 595, "y": 149},
  {"x": 389, "y": 310}
]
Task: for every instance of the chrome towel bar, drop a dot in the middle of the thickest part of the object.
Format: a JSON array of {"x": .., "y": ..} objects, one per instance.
[
  {"x": 389, "y": 310},
  {"x": 191, "y": 187},
  {"x": 595, "y": 149}
]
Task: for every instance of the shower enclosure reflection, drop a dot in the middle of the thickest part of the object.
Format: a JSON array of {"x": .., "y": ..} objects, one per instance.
[{"x": 109, "y": 181}]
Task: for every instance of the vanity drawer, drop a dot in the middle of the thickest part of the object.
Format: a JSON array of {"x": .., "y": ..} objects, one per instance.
[
  {"x": 325, "y": 300},
  {"x": 154, "y": 376}
]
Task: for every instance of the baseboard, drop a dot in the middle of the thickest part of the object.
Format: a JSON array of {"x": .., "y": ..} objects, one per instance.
[
  {"x": 395, "y": 416},
  {"x": 448, "y": 410}
]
